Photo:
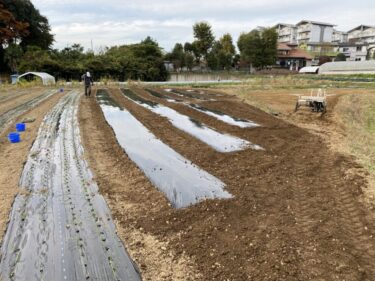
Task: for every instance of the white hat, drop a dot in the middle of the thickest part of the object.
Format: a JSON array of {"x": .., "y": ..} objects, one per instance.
[{"x": 88, "y": 74}]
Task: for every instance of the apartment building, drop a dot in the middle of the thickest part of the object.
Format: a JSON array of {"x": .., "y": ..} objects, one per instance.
[
  {"x": 315, "y": 37},
  {"x": 339, "y": 37},
  {"x": 287, "y": 33},
  {"x": 354, "y": 51},
  {"x": 305, "y": 32},
  {"x": 362, "y": 33},
  {"x": 314, "y": 32},
  {"x": 320, "y": 38}
]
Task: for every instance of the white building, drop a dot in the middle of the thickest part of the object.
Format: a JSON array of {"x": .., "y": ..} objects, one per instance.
[
  {"x": 287, "y": 33},
  {"x": 354, "y": 51},
  {"x": 314, "y": 32},
  {"x": 339, "y": 37},
  {"x": 362, "y": 33},
  {"x": 321, "y": 39},
  {"x": 315, "y": 36},
  {"x": 360, "y": 44}
]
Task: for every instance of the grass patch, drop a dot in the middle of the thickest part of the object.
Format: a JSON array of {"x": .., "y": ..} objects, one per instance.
[{"x": 357, "y": 115}]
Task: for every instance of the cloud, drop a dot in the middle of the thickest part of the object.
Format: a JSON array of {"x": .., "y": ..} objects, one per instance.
[{"x": 116, "y": 22}]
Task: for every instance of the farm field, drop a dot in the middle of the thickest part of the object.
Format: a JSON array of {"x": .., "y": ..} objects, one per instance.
[{"x": 119, "y": 182}]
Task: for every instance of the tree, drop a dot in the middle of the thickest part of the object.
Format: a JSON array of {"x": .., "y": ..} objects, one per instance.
[
  {"x": 204, "y": 39},
  {"x": 143, "y": 61},
  {"x": 213, "y": 57},
  {"x": 189, "y": 61},
  {"x": 259, "y": 48},
  {"x": 177, "y": 56},
  {"x": 269, "y": 46},
  {"x": 12, "y": 56},
  {"x": 10, "y": 28},
  {"x": 227, "y": 43},
  {"x": 340, "y": 57},
  {"x": 37, "y": 59},
  {"x": 249, "y": 45},
  {"x": 190, "y": 51},
  {"x": 324, "y": 59},
  {"x": 227, "y": 52},
  {"x": 39, "y": 30}
]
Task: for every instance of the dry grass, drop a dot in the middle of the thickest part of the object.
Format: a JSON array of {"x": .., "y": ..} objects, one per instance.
[{"x": 356, "y": 114}]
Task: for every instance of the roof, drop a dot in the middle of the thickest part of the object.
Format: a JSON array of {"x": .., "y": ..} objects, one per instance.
[
  {"x": 315, "y": 22},
  {"x": 46, "y": 78},
  {"x": 362, "y": 26},
  {"x": 297, "y": 54},
  {"x": 339, "y": 32},
  {"x": 353, "y": 44},
  {"x": 284, "y": 24},
  {"x": 283, "y": 47}
]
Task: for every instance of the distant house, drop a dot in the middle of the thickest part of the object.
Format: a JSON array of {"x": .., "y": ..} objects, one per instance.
[
  {"x": 354, "y": 51},
  {"x": 289, "y": 56}
]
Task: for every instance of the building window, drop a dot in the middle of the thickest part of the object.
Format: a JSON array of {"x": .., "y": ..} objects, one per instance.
[
  {"x": 359, "y": 49},
  {"x": 357, "y": 59}
]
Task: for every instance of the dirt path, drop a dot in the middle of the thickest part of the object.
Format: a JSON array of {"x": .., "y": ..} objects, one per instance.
[
  {"x": 296, "y": 212},
  {"x": 70, "y": 232},
  {"x": 13, "y": 157}
]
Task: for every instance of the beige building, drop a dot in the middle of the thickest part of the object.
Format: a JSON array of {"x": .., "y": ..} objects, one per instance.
[
  {"x": 354, "y": 51},
  {"x": 339, "y": 37},
  {"x": 322, "y": 39},
  {"x": 362, "y": 33},
  {"x": 287, "y": 33}
]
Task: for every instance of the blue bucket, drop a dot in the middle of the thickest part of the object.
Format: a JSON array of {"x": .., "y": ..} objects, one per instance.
[
  {"x": 20, "y": 127},
  {"x": 14, "y": 137}
]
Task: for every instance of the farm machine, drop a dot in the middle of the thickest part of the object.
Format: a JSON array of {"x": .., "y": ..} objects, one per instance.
[{"x": 317, "y": 101}]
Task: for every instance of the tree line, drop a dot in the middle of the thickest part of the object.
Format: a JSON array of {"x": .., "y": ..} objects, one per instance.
[
  {"x": 257, "y": 48},
  {"x": 26, "y": 45}
]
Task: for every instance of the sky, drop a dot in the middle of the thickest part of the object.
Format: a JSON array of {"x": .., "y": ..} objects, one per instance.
[{"x": 117, "y": 22}]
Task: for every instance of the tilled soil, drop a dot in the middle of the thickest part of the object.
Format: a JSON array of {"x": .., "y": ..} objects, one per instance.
[
  {"x": 296, "y": 212},
  {"x": 22, "y": 105},
  {"x": 13, "y": 157},
  {"x": 17, "y": 97}
]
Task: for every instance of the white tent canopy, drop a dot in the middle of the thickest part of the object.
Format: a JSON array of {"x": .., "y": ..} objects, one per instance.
[
  {"x": 46, "y": 78},
  {"x": 309, "y": 69}
]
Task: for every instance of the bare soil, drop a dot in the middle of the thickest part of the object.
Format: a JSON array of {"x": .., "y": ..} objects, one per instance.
[
  {"x": 13, "y": 156},
  {"x": 17, "y": 97},
  {"x": 296, "y": 212}
]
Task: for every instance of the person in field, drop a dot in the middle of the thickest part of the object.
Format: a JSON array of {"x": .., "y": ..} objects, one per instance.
[{"x": 87, "y": 80}]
